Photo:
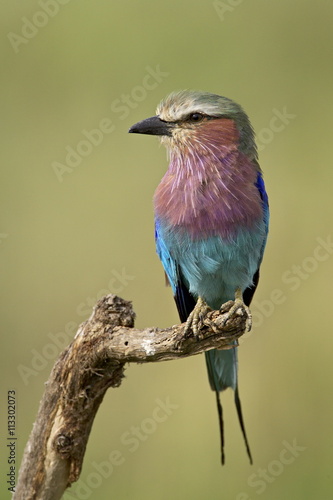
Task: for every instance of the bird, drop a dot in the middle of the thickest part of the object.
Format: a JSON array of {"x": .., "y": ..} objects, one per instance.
[{"x": 211, "y": 218}]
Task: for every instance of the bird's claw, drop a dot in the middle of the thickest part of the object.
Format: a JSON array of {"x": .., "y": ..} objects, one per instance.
[
  {"x": 239, "y": 304},
  {"x": 195, "y": 318}
]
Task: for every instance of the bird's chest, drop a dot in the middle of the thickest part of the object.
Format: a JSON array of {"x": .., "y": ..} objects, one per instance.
[
  {"x": 202, "y": 207},
  {"x": 213, "y": 229}
]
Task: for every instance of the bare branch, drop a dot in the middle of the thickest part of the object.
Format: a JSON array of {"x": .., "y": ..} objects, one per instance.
[{"x": 92, "y": 363}]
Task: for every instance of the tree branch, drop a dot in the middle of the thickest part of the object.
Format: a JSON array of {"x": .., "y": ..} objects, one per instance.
[{"x": 93, "y": 362}]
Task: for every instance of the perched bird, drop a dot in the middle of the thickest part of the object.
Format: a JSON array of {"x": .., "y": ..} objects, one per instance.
[{"x": 211, "y": 216}]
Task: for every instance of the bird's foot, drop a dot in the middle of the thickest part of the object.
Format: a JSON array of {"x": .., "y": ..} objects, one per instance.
[
  {"x": 239, "y": 304},
  {"x": 196, "y": 317}
]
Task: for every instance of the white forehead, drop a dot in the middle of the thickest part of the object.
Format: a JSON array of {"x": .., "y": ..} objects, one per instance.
[{"x": 178, "y": 105}]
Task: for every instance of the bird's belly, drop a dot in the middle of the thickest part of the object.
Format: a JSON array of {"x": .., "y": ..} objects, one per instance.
[{"x": 214, "y": 268}]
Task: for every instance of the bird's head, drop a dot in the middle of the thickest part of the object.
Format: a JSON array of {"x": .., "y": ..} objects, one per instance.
[{"x": 190, "y": 120}]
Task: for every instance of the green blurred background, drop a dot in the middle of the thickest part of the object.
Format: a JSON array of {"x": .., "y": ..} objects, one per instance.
[{"x": 68, "y": 238}]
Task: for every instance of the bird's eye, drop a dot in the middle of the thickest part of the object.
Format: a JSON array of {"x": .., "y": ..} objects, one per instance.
[{"x": 195, "y": 117}]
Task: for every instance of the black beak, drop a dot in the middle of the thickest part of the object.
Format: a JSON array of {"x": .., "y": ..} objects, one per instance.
[{"x": 152, "y": 126}]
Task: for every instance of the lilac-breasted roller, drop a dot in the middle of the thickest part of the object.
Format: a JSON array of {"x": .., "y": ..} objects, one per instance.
[{"x": 211, "y": 216}]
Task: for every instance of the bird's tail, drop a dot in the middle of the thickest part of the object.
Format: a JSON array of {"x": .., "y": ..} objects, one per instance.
[{"x": 222, "y": 369}]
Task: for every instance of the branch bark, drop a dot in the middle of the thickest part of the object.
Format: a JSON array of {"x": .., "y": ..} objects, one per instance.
[{"x": 93, "y": 362}]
